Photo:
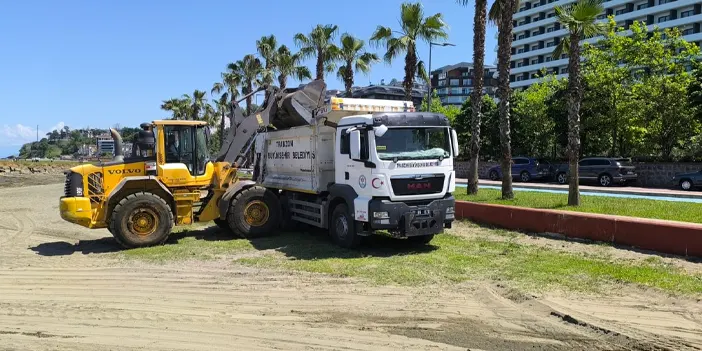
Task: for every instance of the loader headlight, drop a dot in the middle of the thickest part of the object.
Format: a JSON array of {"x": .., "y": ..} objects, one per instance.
[
  {"x": 380, "y": 215},
  {"x": 79, "y": 191}
]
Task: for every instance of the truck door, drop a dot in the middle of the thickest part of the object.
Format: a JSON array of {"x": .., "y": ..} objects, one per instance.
[{"x": 356, "y": 173}]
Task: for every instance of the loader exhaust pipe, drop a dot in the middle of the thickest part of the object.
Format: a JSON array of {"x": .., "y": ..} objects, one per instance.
[{"x": 118, "y": 154}]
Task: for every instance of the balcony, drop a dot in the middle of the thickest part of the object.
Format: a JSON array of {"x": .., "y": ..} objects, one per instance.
[
  {"x": 546, "y": 36},
  {"x": 538, "y": 66},
  {"x": 655, "y": 10},
  {"x": 530, "y": 26},
  {"x": 543, "y": 8},
  {"x": 528, "y": 82}
]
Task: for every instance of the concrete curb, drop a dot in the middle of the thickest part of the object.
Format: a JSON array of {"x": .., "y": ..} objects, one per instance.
[{"x": 671, "y": 237}]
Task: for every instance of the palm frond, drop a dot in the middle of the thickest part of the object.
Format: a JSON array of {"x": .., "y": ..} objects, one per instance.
[
  {"x": 381, "y": 34},
  {"x": 302, "y": 72},
  {"x": 422, "y": 72},
  {"x": 561, "y": 48}
]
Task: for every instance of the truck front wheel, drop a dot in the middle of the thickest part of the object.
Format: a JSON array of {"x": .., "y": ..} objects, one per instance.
[
  {"x": 342, "y": 228},
  {"x": 141, "y": 219},
  {"x": 254, "y": 212}
]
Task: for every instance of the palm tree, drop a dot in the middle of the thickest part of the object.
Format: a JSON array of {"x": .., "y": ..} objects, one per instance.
[
  {"x": 414, "y": 27},
  {"x": 197, "y": 104},
  {"x": 580, "y": 19},
  {"x": 354, "y": 56},
  {"x": 476, "y": 96},
  {"x": 288, "y": 64},
  {"x": 230, "y": 85},
  {"x": 319, "y": 43},
  {"x": 179, "y": 108},
  {"x": 266, "y": 47},
  {"x": 501, "y": 13},
  {"x": 249, "y": 70}
]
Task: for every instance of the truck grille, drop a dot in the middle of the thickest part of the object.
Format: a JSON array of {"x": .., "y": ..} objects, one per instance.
[
  {"x": 95, "y": 187},
  {"x": 67, "y": 184},
  {"x": 418, "y": 184}
]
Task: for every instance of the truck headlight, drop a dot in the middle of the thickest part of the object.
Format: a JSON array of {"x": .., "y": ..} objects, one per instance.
[
  {"x": 450, "y": 209},
  {"x": 380, "y": 215}
]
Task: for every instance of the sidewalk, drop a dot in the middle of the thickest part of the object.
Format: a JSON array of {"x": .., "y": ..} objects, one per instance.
[{"x": 625, "y": 190}]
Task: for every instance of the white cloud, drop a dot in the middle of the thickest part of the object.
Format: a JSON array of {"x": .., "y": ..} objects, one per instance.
[{"x": 18, "y": 134}]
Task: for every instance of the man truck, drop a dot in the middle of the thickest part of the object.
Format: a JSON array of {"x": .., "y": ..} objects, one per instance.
[{"x": 352, "y": 166}]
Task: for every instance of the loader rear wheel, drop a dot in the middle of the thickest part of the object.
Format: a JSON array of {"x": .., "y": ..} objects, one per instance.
[
  {"x": 141, "y": 219},
  {"x": 254, "y": 212}
]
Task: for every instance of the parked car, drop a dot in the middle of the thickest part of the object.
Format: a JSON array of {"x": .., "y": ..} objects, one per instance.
[
  {"x": 688, "y": 181},
  {"x": 525, "y": 169},
  {"x": 605, "y": 170}
]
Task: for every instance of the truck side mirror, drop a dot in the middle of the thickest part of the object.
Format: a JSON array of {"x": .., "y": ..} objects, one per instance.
[
  {"x": 454, "y": 142},
  {"x": 355, "y": 145}
]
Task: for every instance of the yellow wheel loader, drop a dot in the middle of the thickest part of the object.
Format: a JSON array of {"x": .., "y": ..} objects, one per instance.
[{"x": 170, "y": 179}]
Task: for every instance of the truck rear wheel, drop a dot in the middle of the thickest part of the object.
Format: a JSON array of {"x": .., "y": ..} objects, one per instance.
[
  {"x": 254, "y": 212},
  {"x": 141, "y": 219},
  {"x": 342, "y": 228}
]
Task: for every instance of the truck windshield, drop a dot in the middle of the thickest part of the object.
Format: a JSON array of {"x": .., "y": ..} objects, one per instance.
[{"x": 413, "y": 144}]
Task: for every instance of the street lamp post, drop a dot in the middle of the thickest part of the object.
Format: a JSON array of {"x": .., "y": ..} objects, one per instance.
[{"x": 431, "y": 96}]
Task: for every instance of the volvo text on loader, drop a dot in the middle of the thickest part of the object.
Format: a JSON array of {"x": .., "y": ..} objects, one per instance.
[{"x": 352, "y": 166}]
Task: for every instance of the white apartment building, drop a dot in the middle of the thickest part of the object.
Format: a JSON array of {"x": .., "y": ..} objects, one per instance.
[{"x": 537, "y": 31}]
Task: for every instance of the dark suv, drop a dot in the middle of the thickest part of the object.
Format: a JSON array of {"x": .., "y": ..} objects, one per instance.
[
  {"x": 605, "y": 170},
  {"x": 525, "y": 169}
]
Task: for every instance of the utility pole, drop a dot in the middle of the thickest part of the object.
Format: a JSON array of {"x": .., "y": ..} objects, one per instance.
[{"x": 430, "y": 45}]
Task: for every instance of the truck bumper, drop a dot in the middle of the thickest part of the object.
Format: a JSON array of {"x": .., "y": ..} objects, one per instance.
[
  {"x": 76, "y": 210},
  {"x": 405, "y": 220}
]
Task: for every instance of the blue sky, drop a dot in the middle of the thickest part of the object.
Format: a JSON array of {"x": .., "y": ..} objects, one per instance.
[{"x": 98, "y": 63}]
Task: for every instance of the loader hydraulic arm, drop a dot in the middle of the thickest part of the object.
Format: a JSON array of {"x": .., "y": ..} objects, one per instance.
[{"x": 280, "y": 110}]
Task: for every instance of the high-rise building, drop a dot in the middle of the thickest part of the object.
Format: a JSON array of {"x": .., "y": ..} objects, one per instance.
[
  {"x": 454, "y": 83},
  {"x": 537, "y": 31}
]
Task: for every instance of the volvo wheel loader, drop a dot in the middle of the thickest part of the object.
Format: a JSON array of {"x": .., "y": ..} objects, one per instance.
[{"x": 353, "y": 166}]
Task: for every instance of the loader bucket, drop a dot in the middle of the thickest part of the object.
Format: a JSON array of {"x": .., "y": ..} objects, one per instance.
[{"x": 296, "y": 108}]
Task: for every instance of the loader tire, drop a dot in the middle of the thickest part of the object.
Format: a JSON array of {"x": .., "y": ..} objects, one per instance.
[
  {"x": 141, "y": 219},
  {"x": 254, "y": 212},
  {"x": 222, "y": 224}
]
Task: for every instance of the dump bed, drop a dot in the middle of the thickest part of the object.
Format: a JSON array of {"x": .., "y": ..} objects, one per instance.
[{"x": 297, "y": 159}]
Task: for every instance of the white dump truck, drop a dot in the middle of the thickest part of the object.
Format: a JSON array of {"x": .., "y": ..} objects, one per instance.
[{"x": 358, "y": 166}]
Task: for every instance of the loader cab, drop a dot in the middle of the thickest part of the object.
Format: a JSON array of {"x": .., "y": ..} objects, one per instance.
[{"x": 183, "y": 157}]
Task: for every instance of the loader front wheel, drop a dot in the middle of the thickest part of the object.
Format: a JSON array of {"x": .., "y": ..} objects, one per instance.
[
  {"x": 254, "y": 212},
  {"x": 141, "y": 219}
]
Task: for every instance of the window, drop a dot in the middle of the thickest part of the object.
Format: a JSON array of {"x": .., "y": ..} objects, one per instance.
[
  {"x": 688, "y": 31},
  {"x": 520, "y": 51},
  {"x": 549, "y": 58},
  {"x": 535, "y": 19},
  {"x": 520, "y": 64},
  {"x": 187, "y": 145},
  {"x": 520, "y": 37},
  {"x": 466, "y": 91},
  {"x": 585, "y": 163},
  {"x": 442, "y": 82},
  {"x": 522, "y": 9},
  {"x": 661, "y": 2},
  {"x": 534, "y": 47},
  {"x": 520, "y": 161},
  {"x": 465, "y": 74},
  {"x": 550, "y": 29},
  {"x": 535, "y": 33},
  {"x": 687, "y": 13},
  {"x": 601, "y": 17},
  {"x": 442, "y": 91},
  {"x": 550, "y": 44},
  {"x": 467, "y": 82},
  {"x": 551, "y": 14},
  {"x": 564, "y": 70},
  {"x": 619, "y": 12},
  {"x": 344, "y": 142},
  {"x": 534, "y": 76},
  {"x": 534, "y": 61},
  {"x": 455, "y": 91},
  {"x": 662, "y": 19},
  {"x": 521, "y": 23},
  {"x": 442, "y": 75},
  {"x": 520, "y": 78},
  {"x": 536, "y": 4},
  {"x": 642, "y": 6},
  {"x": 564, "y": 56},
  {"x": 455, "y": 82}
]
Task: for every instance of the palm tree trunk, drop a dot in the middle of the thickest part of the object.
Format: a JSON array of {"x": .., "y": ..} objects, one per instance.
[
  {"x": 476, "y": 97},
  {"x": 504, "y": 55},
  {"x": 574, "y": 100},
  {"x": 221, "y": 127},
  {"x": 249, "y": 89},
  {"x": 348, "y": 78},
  {"x": 283, "y": 81},
  {"x": 320, "y": 66},
  {"x": 410, "y": 71}
]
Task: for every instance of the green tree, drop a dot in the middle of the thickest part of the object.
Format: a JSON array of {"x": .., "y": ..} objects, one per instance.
[
  {"x": 229, "y": 90},
  {"x": 249, "y": 70},
  {"x": 267, "y": 48},
  {"x": 580, "y": 19},
  {"x": 476, "y": 96},
  {"x": 197, "y": 105},
  {"x": 353, "y": 55},
  {"x": 489, "y": 128},
  {"x": 501, "y": 13},
  {"x": 179, "y": 108},
  {"x": 290, "y": 65},
  {"x": 415, "y": 27},
  {"x": 319, "y": 43},
  {"x": 451, "y": 112}
]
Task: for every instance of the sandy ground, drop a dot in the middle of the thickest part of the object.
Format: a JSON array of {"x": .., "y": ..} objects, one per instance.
[{"x": 56, "y": 295}]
